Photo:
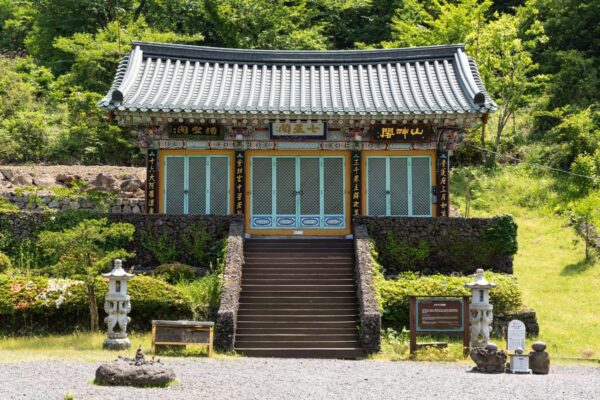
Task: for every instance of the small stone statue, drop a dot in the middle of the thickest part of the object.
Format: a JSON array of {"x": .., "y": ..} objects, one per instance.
[
  {"x": 539, "y": 359},
  {"x": 139, "y": 356},
  {"x": 489, "y": 359}
]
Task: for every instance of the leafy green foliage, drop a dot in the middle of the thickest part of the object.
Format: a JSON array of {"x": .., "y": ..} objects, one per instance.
[
  {"x": 86, "y": 250},
  {"x": 43, "y": 305},
  {"x": 584, "y": 166},
  {"x": 205, "y": 294},
  {"x": 398, "y": 255},
  {"x": 201, "y": 247},
  {"x": 175, "y": 272},
  {"x": 163, "y": 249},
  {"x": 394, "y": 303},
  {"x": 5, "y": 262}
]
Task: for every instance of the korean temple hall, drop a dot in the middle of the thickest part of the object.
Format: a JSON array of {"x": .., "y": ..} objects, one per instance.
[{"x": 298, "y": 142}]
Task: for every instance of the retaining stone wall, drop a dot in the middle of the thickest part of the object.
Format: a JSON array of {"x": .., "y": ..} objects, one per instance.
[
  {"x": 370, "y": 318},
  {"x": 232, "y": 286},
  {"x": 24, "y": 224},
  {"x": 40, "y": 203},
  {"x": 454, "y": 243}
]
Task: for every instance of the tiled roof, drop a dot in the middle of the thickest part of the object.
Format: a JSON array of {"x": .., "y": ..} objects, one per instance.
[{"x": 158, "y": 77}]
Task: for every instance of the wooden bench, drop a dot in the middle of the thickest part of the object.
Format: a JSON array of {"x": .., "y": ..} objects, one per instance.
[{"x": 182, "y": 333}]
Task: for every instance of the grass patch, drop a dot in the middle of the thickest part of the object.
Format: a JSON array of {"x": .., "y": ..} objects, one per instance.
[
  {"x": 550, "y": 265},
  {"x": 86, "y": 347}
]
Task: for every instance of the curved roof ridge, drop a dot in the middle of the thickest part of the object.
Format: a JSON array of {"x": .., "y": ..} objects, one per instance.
[{"x": 259, "y": 56}]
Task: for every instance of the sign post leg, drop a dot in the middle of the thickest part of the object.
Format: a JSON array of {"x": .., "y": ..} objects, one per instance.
[{"x": 413, "y": 327}]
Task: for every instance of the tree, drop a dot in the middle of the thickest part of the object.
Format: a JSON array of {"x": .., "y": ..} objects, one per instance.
[
  {"x": 506, "y": 65},
  {"x": 86, "y": 249},
  {"x": 255, "y": 24},
  {"x": 96, "y": 55},
  {"x": 434, "y": 22}
]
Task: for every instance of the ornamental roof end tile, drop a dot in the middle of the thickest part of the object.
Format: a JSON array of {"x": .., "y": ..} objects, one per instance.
[{"x": 207, "y": 80}]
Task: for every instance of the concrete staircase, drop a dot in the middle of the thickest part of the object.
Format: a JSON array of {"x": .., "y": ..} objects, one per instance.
[{"x": 298, "y": 299}]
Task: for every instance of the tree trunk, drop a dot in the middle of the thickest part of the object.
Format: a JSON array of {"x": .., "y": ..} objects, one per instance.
[
  {"x": 483, "y": 152},
  {"x": 94, "y": 326}
]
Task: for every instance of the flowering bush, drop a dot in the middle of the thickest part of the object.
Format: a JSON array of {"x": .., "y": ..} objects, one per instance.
[{"x": 42, "y": 305}]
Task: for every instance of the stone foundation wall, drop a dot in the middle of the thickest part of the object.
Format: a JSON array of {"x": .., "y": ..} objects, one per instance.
[
  {"x": 22, "y": 225},
  {"x": 40, "y": 203},
  {"x": 454, "y": 245},
  {"x": 232, "y": 285},
  {"x": 370, "y": 318}
]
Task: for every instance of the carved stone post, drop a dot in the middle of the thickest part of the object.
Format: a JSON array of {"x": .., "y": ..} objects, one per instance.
[{"x": 117, "y": 305}]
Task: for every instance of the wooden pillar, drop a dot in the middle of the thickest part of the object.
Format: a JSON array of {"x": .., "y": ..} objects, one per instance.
[
  {"x": 443, "y": 184},
  {"x": 356, "y": 184},
  {"x": 152, "y": 195},
  {"x": 239, "y": 182}
]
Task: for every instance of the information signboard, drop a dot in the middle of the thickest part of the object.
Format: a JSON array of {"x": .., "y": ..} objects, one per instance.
[{"x": 439, "y": 315}]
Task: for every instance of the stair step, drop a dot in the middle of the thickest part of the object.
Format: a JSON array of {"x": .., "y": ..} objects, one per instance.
[
  {"x": 296, "y": 337},
  {"x": 248, "y": 310},
  {"x": 302, "y": 271},
  {"x": 297, "y": 275},
  {"x": 331, "y": 288},
  {"x": 318, "y": 344},
  {"x": 272, "y": 280},
  {"x": 343, "y": 353},
  {"x": 304, "y": 300},
  {"x": 297, "y": 324},
  {"x": 298, "y": 240},
  {"x": 297, "y": 318},
  {"x": 302, "y": 256},
  {"x": 299, "y": 243},
  {"x": 283, "y": 295},
  {"x": 280, "y": 305},
  {"x": 296, "y": 331}
]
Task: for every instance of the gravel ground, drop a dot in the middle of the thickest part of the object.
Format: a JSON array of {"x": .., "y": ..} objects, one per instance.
[{"x": 255, "y": 378}]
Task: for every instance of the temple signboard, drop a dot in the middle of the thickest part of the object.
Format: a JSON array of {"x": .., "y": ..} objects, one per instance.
[
  {"x": 402, "y": 133},
  {"x": 196, "y": 131},
  {"x": 298, "y": 129}
]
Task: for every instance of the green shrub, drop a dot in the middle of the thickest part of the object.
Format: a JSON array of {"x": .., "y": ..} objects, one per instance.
[
  {"x": 5, "y": 262},
  {"x": 162, "y": 248},
  {"x": 398, "y": 255},
  {"x": 201, "y": 247},
  {"x": 584, "y": 166},
  {"x": 40, "y": 305},
  {"x": 175, "y": 272},
  {"x": 205, "y": 294},
  {"x": 393, "y": 294}
]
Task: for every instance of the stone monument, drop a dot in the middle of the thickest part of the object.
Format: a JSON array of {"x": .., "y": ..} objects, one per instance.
[
  {"x": 519, "y": 362},
  {"x": 480, "y": 309},
  {"x": 117, "y": 305},
  {"x": 516, "y": 335},
  {"x": 539, "y": 359}
]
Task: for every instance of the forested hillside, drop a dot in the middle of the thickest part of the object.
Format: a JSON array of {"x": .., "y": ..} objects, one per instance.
[{"x": 539, "y": 59}]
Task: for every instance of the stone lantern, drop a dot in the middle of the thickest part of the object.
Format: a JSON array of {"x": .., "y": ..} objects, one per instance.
[
  {"x": 117, "y": 305},
  {"x": 481, "y": 311}
]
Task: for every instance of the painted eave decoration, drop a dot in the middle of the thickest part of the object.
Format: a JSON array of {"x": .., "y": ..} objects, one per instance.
[{"x": 172, "y": 78}]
